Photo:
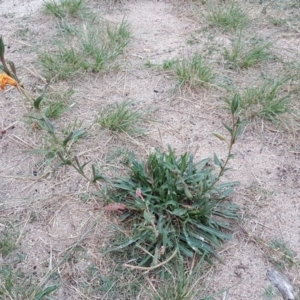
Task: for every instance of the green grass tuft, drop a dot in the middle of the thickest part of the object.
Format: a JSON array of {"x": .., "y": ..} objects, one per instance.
[
  {"x": 64, "y": 8},
  {"x": 282, "y": 256},
  {"x": 7, "y": 244},
  {"x": 57, "y": 103},
  {"x": 245, "y": 54},
  {"x": 228, "y": 17},
  {"x": 194, "y": 72},
  {"x": 268, "y": 101},
  {"x": 91, "y": 47},
  {"x": 121, "y": 117},
  {"x": 270, "y": 293}
]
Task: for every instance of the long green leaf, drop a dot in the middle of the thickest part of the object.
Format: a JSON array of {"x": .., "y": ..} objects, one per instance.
[
  {"x": 212, "y": 231},
  {"x": 2, "y": 48},
  {"x": 49, "y": 125},
  {"x": 217, "y": 161},
  {"x": 121, "y": 246},
  {"x": 45, "y": 292}
]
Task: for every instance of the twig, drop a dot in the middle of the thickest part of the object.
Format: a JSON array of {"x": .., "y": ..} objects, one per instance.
[
  {"x": 153, "y": 267},
  {"x": 282, "y": 284}
]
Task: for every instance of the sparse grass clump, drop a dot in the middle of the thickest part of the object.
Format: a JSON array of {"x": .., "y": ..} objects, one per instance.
[
  {"x": 179, "y": 285},
  {"x": 228, "y": 17},
  {"x": 62, "y": 64},
  {"x": 64, "y": 8},
  {"x": 270, "y": 293},
  {"x": 57, "y": 103},
  {"x": 245, "y": 54},
  {"x": 267, "y": 102},
  {"x": 277, "y": 21},
  {"x": 98, "y": 284},
  {"x": 16, "y": 284},
  {"x": 121, "y": 117},
  {"x": 282, "y": 256},
  {"x": 169, "y": 64},
  {"x": 194, "y": 71},
  {"x": 7, "y": 243},
  {"x": 91, "y": 47}
]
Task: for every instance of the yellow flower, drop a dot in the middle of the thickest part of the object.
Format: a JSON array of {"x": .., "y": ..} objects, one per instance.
[{"x": 5, "y": 79}]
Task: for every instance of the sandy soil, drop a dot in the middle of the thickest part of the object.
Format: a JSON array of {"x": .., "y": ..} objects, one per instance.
[{"x": 50, "y": 211}]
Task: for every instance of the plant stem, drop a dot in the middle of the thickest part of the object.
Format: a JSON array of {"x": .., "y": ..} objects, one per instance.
[{"x": 233, "y": 136}]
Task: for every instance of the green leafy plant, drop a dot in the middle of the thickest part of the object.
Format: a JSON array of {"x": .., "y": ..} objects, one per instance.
[
  {"x": 121, "y": 117},
  {"x": 247, "y": 54},
  {"x": 8, "y": 67},
  {"x": 228, "y": 16},
  {"x": 174, "y": 205}
]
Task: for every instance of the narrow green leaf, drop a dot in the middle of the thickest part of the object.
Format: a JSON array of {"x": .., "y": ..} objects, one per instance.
[
  {"x": 187, "y": 192},
  {"x": 226, "y": 193},
  {"x": 121, "y": 246},
  {"x": 234, "y": 103},
  {"x": 38, "y": 101},
  {"x": 212, "y": 231},
  {"x": 219, "y": 136},
  {"x": 227, "y": 127},
  {"x": 13, "y": 68},
  {"x": 217, "y": 161},
  {"x": 2, "y": 48},
  {"x": 205, "y": 237},
  {"x": 77, "y": 134},
  {"x": 189, "y": 240},
  {"x": 179, "y": 212},
  {"x": 125, "y": 215},
  {"x": 45, "y": 292},
  {"x": 67, "y": 139},
  {"x": 73, "y": 136},
  {"x": 60, "y": 164},
  {"x": 48, "y": 124},
  {"x": 202, "y": 164},
  {"x": 60, "y": 156},
  {"x": 96, "y": 174},
  {"x": 187, "y": 252},
  {"x": 80, "y": 170}
]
